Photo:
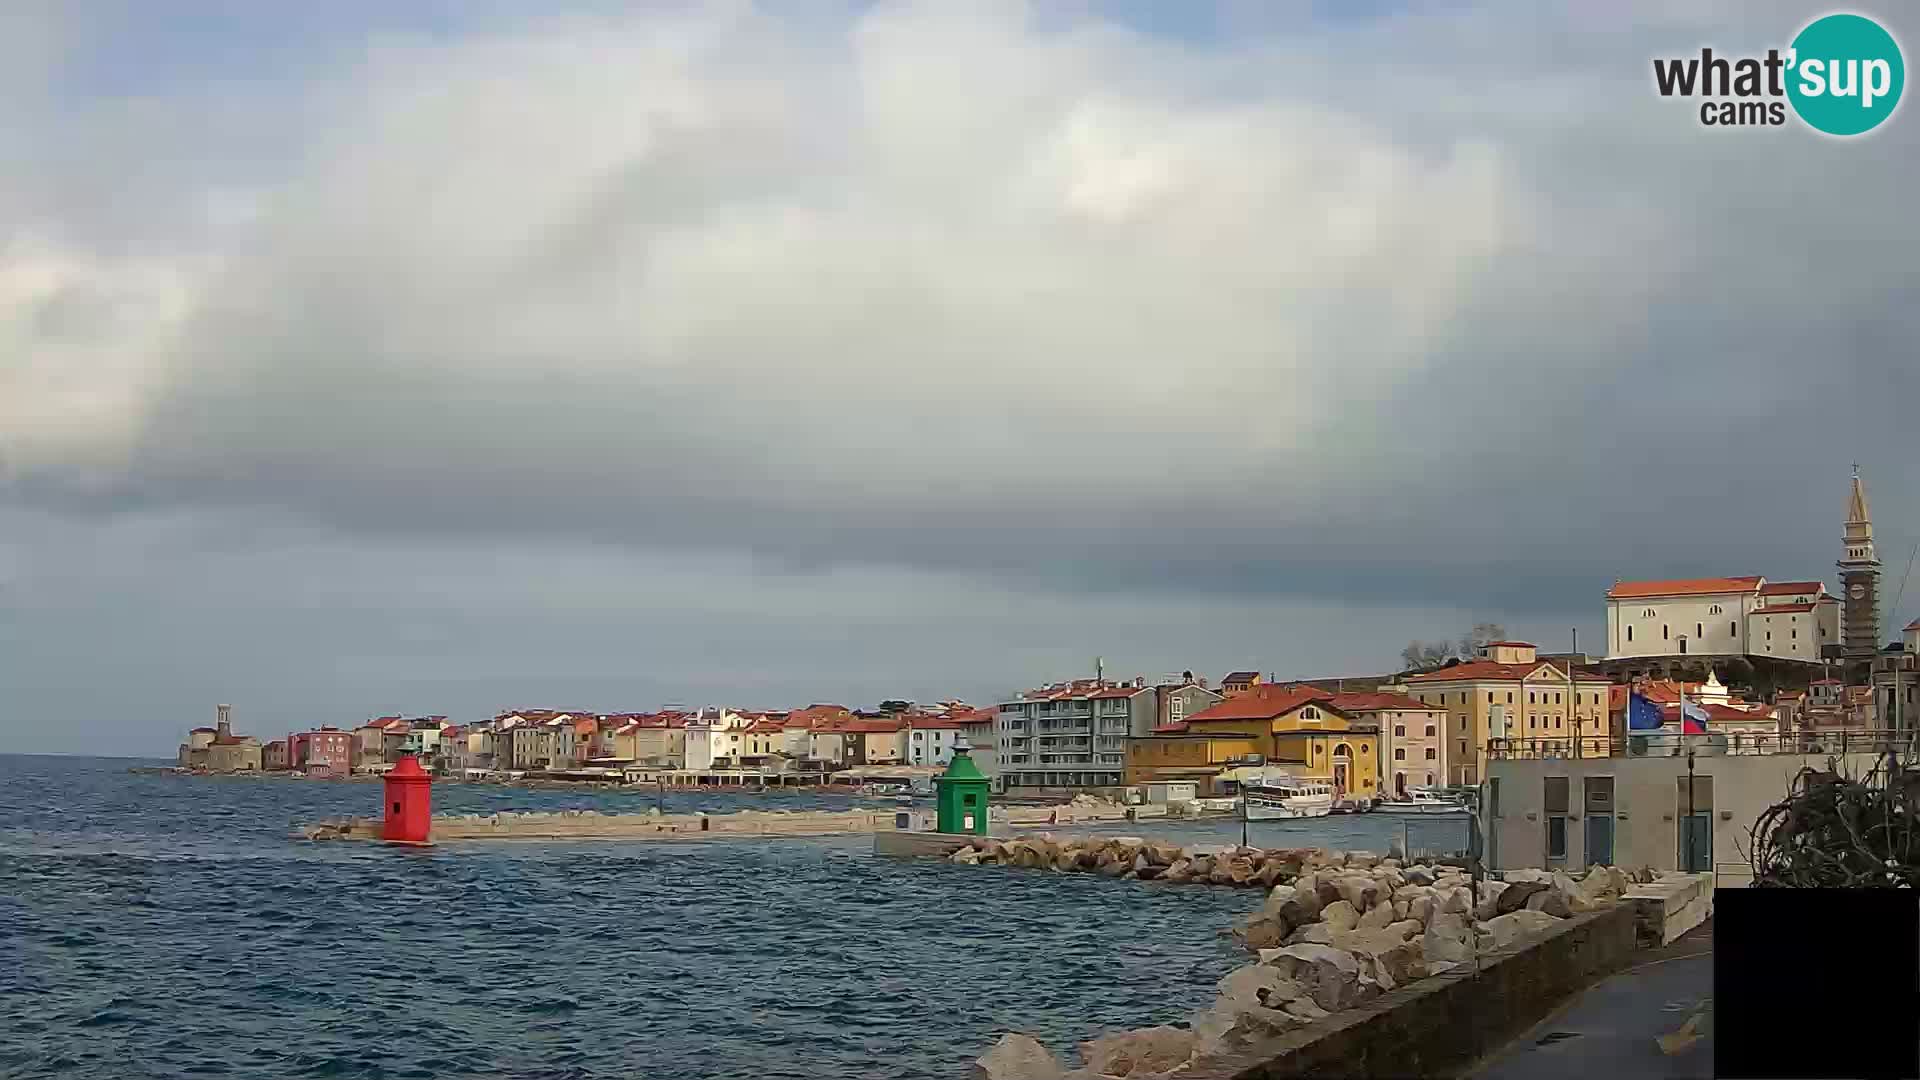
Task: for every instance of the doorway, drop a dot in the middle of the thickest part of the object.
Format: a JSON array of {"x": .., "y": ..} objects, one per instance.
[
  {"x": 1694, "y": 799},
  {"x": 1599, "y": 815}
]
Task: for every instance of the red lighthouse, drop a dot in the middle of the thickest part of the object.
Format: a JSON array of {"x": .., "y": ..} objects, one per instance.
[{"x": 409, "y": 803}]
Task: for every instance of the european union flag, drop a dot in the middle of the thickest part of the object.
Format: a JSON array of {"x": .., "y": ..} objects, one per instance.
[{"x": 1642, "y": 714}]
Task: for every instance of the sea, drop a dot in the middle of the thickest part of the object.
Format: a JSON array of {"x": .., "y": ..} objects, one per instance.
[{"x": 174, "y": 926}]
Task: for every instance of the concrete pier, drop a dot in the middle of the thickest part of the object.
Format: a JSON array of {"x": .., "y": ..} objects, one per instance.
[{"x": 591, "y": 825}]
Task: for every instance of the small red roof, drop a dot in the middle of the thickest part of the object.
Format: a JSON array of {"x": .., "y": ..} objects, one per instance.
[
  {"x": 1626, "y": 590},
  {"x": 1495, "y": 670},
  {"x": 1379, "y": 701},
  {"x": 1118, "y": 692},
  {"x": 935, "y": 723},
  {"x": 1175, "y": 727},
  {"x": 1785, "y": 588},
  {"x": 1262, "y": 702},
  {"x": 1783, "y": 609}
]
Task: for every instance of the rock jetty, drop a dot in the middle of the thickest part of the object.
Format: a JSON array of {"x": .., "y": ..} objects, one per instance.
[{"x": 1335, "y": 931}]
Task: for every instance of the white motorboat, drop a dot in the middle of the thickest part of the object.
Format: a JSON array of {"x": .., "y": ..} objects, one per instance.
[
  {"x": 1276, "y": 800},
  {"x": 1420, "y": 801}
]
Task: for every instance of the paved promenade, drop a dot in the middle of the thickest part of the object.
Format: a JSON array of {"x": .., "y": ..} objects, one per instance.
[{"x": 1654, "y": 1019}]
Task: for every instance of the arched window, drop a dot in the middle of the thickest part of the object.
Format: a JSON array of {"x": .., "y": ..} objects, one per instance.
[
  {"x": 1647, "y": 614},
  {"x": 1309, "y": 713},
  {"x": 1716, "y": 610},
  {"x": 1342, "y": 751}
]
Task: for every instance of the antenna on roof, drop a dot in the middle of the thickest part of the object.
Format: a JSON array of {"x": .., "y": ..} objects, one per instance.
[{"x": 1099, "y": 669}]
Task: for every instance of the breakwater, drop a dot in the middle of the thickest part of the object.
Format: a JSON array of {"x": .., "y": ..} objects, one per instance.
[{"x": 591, "y": 824}]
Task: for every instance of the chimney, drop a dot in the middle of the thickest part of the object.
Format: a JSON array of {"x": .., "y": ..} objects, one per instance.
[{"x": 225, "y": 719}]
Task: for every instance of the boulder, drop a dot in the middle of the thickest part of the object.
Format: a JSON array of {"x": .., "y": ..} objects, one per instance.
[
  {"x": 1360, "y": 891},
  {"x": 1252, "y": 1007},
  {"x": 1141, "y": 862},
  {"x": 966, "y": 856},
  {"x": 1180, "y": 871},
  {"x": 1551, "y": 901},
  {"x": 1314, "y": 933},
  {"x": 1150, "y": 872},
  {"x": 1327, "y": 889},
  {"x": 1449, "y": 939},
  {"x": 1455, "y": 901},
  {"x": 1330, "y": 975},
  {"x": 1406, "y": 929},
  {"x": 1601, "y": 883},
  {"x": 1017, "y": 1057},
  {"x": 1513, "y": 877},
  {"x": 1419, "y": 875},
  {"x": 1376, "y": 917},
  {"x": 1364, "y": 860},
  {"x": 1514, "y": 925},
  {"x": 1306, "y": 891},
  {"x": 1201, "y": 867},
  {"x": 1263, "y": 929},
  {"x": 1420, "y": 908},
  {"x": 1515, "y": 896},
  {"x": 1340, "y": 915},
  {"x": 1143, "y": 1052},
  {"x": 1396, "y": 959},
  {"x": 1399, "y": 909},
  {"x": 1487, "y": 907},
  {"x": 1278, "y": 898}
]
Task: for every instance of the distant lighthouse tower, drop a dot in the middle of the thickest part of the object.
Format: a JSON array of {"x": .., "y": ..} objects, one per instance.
[{"x": 1859, "y": 578}]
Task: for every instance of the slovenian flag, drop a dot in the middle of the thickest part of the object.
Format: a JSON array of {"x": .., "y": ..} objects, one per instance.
[
  {"x": 1642, "y": 713},
  {"x": 1693, "y": 719}
]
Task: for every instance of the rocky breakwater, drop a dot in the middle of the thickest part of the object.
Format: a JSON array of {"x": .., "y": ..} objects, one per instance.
[
  {"x": 1133, "y": 858},
  {"x": 592, "y": 824},
  {"x": 1340, "y": 932}
]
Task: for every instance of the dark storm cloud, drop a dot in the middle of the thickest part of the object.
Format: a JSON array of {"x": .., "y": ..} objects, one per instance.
[{"x": 1433, "y": 312}]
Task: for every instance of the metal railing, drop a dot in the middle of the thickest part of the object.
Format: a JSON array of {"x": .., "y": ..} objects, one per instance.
[{"x": 1670, "y": 744}]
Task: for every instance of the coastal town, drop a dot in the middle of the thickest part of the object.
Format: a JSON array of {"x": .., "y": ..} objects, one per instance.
[{"x": 1756, "y": 665}]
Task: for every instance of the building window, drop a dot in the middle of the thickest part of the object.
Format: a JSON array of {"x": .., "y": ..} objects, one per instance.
[
  {"x": 1399, "y": 754},
  {"x": 1663, "y": 631},
  {"x": 1531, "y": 723},
  {"x": 1648, "y": 613},
  {"x": 1795, "y": 634},
  {"x": 1309, "y": 713},
  {"x": 1430, "y": 731},
  {"x": 1399, "y": 731},
  {"x": 1733, "y": 629},
  {"x": 1431, "y": 755},
  {"x": 1463, "y": 723},
  {"x": 1556, "y": 699},
  {"x": 1698, "y": 631},
  {"x": 1716, "y": 610},
  {"x": 1489, "y": 697},
  {"x": 1629, "y": 633},
  {"x": 1530, "y": 700},
  {"x": 1463, "y": 748},
  {"x": 1177, "y": 707}
]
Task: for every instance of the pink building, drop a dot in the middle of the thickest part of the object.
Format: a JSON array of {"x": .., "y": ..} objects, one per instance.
[{"x": 327, "y": 752}]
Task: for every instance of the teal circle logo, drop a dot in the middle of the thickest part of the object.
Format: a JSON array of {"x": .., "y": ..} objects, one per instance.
[{"x": 1845, "y": 74}]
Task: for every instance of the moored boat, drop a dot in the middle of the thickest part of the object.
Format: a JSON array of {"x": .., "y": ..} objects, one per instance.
[
  {"x": 1278, "y": 800},
  {"x": 1421, "y": 801}
]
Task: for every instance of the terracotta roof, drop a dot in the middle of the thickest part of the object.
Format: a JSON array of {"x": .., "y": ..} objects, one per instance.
[
  {"x": 766, "y": 727},
  {"x": 1118, "y": 692},
  {"x": 1784, "y": 588},
  {"x": 1914, "y": 625},
  {"x": 1493, "y": 670},
  {"x": 1381, "y": 700},
  {"x": 1625, "y": 590},
  {"x": 1783, "y": 609},
  {"x": 935, "y": 723},
  {"x": 813, "y": 714},
  {"x": 1262, "y": 703},
  {"x": 1175, "y": 727}
]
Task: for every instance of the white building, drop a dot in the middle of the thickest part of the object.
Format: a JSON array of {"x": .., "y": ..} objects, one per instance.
[
  {"x": 716, "y": 739},
  {"x": 1732, "y": 616},
  {"x": 930, "y": 739}
]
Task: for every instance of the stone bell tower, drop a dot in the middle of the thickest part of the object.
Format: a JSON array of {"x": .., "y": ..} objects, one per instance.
[{"x": 1859, "y": 578}]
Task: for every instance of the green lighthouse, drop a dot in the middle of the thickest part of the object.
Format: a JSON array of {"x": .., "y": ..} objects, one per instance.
[{"x": 961, "y": 796}]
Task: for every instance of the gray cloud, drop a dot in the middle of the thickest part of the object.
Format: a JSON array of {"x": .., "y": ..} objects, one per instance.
[{"x": 1401, "y": 318}]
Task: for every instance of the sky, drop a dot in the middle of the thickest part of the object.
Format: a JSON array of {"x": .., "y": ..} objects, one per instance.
[{"x": 446, "y": 358}]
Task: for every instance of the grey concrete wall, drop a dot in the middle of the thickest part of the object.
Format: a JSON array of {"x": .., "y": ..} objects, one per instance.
[
  {"x": 1438, "y": 1025},
  {"x": 1646, "y": 805}
]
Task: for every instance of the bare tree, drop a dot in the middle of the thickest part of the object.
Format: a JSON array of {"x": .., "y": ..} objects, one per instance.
[
  {"x": 1482, "y": 635},
  {"x": 1425, "y": 655}
]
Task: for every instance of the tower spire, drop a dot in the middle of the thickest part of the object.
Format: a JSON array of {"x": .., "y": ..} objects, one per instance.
[{"x": 1859, "y": 576}]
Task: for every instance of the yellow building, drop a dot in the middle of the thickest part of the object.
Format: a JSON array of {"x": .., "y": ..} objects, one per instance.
[
  {"x": 1293, "y": 725},
  {"x": 1512, "y": 694}
]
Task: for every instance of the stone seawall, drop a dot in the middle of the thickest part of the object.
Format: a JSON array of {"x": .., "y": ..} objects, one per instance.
[
  {"x": 591, "y": 825},
  {"x": 1437, "y": 1025}
]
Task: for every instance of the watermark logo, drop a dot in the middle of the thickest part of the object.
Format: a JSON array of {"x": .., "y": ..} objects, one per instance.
[{"x": 1842, "y": 75}]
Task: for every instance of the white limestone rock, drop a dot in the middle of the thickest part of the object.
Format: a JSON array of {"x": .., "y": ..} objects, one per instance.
[
  {"x": 1489, "y": 903},
  {"x": 1508, "y": 928},
  {"x": 1376, "y": 917},
  {"x": 1140, "y": 1053},
  {"x": 1330, "y": 975},
  {"x": 1341, "y": 915},
  {"x": 1017, "y": 1057}
]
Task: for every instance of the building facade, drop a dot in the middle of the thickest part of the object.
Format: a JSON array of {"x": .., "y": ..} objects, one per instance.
[
  {"x": 1413, "y": 741},
  {"x": 1295, "y": 727},
  {"x": 1509, "y": 693},
  {"x": 1721, "y": 617},
  {"x": 322, "y": 753},
  {"x": 1074, "y": 734}
]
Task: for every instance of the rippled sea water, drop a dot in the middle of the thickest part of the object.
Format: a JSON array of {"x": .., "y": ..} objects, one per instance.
[{"x": 170, "y": 927}]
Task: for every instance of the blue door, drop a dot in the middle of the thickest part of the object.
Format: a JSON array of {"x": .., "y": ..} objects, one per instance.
[
  {"x": 1696, "y": 843},
  {"x": 1599, "y": 840}
]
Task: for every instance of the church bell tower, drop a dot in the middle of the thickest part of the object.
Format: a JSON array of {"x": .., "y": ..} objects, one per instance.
[{"x": 1859, "y": 578}]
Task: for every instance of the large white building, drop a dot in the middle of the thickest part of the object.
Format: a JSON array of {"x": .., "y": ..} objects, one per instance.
[{"x": 1730, "y": 616}]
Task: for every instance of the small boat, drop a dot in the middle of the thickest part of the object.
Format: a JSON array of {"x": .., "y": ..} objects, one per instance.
[
  {"x": 1225, "y": 805},
  {"x": 1279, "y": 800},
  {"x": 1421, "y": 801},
  {"x": 882, "y": 789}
]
